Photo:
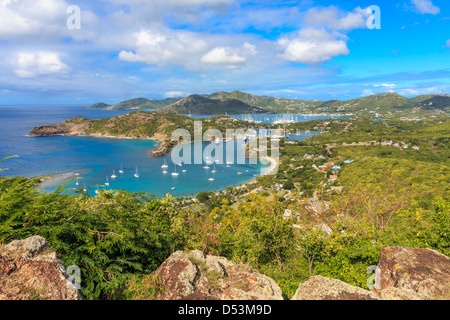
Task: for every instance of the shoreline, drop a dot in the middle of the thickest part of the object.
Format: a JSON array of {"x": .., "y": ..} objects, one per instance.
[
  {"x": 58, "y": 178},
  {"x": 267, "y": 170}
]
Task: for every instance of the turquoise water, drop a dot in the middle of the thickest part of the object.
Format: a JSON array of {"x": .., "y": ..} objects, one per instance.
[{"x": 94, "y": 159}]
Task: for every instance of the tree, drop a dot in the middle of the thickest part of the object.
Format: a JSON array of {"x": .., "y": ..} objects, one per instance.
[
  {"x": 203, "y": 196},
  {"x": 314, "y": 246}
]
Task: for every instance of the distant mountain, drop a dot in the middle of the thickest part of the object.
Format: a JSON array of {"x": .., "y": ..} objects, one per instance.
[
  {"x": 200, "y": 104},
  {"x": 433, "y": 102},
  {"x": 237, "y": 102},
  {"x": 99, "y": 105},
  {"x": 389, "y": 104},
  {"x": 377, "y": 103},
  {"x": 136, "y": 104},
  {"x": 271, "y": 104}
]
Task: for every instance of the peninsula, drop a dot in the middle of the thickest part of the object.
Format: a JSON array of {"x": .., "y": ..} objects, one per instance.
[{"x": 138, "y": 125}]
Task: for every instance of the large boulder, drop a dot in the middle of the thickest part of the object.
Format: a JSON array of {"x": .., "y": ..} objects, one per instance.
[
  {"x": 194, "y": 276},
  {"x": 30, "y": 270},
  {"x": 323, "y": 288},
  {"x": 424, "y": 273}
]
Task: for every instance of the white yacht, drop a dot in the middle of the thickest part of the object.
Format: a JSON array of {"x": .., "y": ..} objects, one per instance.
[
  {"x": 175, "y": 173},
  {"x": 136, "y": 175},
  {"x": 113, "y": 176},
  {"x": 164, "y": 165},
  {"x": 107, "y": 182},
  {"x": 121, "y": 169}
]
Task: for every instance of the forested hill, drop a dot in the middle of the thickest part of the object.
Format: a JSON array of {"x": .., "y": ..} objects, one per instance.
[
  {"x": 136, "y": 104},
  {"x": 197, "y": 104},
  {"x": 390, "y": 105}
]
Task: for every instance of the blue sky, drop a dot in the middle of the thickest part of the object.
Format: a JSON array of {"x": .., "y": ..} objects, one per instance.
[{"x": 306, "y": 49}]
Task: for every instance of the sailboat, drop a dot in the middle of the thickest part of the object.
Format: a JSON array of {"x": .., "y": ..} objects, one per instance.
[
  {"x": 136, "y": 175},
  {"x": 76, "y": 183},
  {"x": 121, "y": 169},
  {"x": 96, "y": 191},
  {"x": 107, "y": 182},
  {"x": 84, "y": 189},
  {"x": 164, "y": 165},
  {"x": 184, "y": 170},
  {"x": 113, "y": 176},
  {"x": 175, "y": 173},
  {"x": 211, "y": 179},
  {"x": 214, "y": 170}
]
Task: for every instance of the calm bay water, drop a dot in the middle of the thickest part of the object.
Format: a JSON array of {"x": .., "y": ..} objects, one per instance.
[{"x": 95, "y": 159}]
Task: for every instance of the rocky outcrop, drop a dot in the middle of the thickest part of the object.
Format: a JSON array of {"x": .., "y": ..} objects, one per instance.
[
  {"x": 29, "y": 270},
  {"x": 403, "y": 273},
  {"x": 194, "y": 276},
  {"x": 423, "y": 273},
  {"x": 323, "y": 288}
]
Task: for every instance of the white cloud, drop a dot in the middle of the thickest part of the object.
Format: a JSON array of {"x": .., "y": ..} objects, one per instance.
[
  {"x": 163, "y": 47},
  {"x": 173, "y": 3},
  {"x": 367, "y": 92},
  {"x": 336, "y": 19},
  {"x": 229, "y": 57},
  {"x": 313, "y": 46},
  {"x": 39, "y": 19},
  {"x": 425, "y": 6},
  {"x": 195, "y": 51},
  {"x": 385, "y": 85},
  {"x": 419, "y": 91},
  {"x": 31, "y": 65},
  {"x": 175, "y": 94}
]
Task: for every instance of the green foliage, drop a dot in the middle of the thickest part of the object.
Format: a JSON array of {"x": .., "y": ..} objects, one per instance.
[
  {"x": 110, "y": 237},
  {"x": 436, "y": 231}
]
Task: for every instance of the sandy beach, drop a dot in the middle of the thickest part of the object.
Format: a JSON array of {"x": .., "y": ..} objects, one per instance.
[
  {"x": 272, "y": 168},
  {"x": 58, "y": 179}
]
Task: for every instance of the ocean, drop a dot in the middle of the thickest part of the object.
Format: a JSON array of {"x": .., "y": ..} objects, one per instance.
[{"x": 94, "y": 160}]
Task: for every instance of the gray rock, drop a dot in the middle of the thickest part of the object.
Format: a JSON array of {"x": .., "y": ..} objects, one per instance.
[
  {"x": 423, "y": 271},
  {"x": 323, "y": 288},
  {"x": 30, "y": 270},
  {"x": 189, "y": 277}
]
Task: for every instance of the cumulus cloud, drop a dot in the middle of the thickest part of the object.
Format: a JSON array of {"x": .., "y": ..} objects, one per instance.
[
  {"x": 31, "y": 65},
  {"x": 385, "y": 85},
  {"x": 163, "y": 47},
  {"x": 175, "y": 94},
  {"x": 335, "y": 19},
  {"x": 420, "y": 91},
  {"x": 191, "y": 50},
  {"x": 39, "y": 19},
  {"x": 313, "y": 46},
  {"x": 425, "y": 6},
  {"x": 229, "y": 57}
]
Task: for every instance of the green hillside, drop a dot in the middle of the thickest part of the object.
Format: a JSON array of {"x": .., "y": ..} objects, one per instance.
[
  {"x": 136, "y": 104},
  {"x": 197, "y": 104}
]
